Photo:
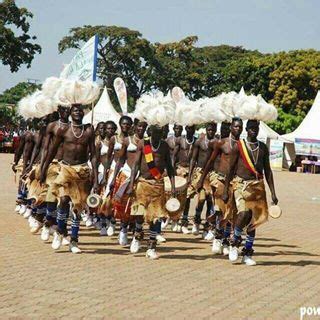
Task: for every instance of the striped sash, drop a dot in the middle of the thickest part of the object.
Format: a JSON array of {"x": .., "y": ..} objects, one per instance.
[
  {"x": 246, "y": 159},
  {"x": 148, "y": 155}
]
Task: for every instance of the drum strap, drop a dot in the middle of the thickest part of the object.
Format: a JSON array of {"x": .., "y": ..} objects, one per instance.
[{"x": 148, "y": 155}]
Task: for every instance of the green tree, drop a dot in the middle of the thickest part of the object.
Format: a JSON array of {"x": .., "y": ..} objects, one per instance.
[
  {"x": 121, "y": 53},
  {"x": 16, "y": 45},
  {"x": 15, "y": 94},
  {"x": 215, "y": 65},
  {"x": 175, "y": 66},
  {"x": 289, "y": 80},
  {"x": 10, "y": 98}
]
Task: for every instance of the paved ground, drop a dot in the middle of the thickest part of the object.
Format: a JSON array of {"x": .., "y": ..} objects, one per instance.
[{"x": 106, "y": 281}]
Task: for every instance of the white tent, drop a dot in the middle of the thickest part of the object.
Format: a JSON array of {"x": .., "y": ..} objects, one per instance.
[
  {"x": 265, "y": 133},
  {"x": 102, "y": 111},
  {"x": 309, "y": 127}
]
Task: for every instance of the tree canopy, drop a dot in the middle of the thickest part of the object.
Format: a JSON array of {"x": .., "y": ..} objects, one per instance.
[
  {"x": 10, "y": 98},
  {"x": 16, "y": 45},
  {"x": 289, "y": 80}
]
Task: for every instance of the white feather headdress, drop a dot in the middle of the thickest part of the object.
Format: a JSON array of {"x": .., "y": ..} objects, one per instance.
[
  {"x": 186, "y": 111},
  {"x": 36, "y": 105},
  {"x": 76, "y": 92},
  {"x": 43, "y": 104},
  {"x": 26, "y": 108},
  {"x": 155, "y": 109},
  {"x": 50, "y": 86},
  {"x": 254, "y": 108}
]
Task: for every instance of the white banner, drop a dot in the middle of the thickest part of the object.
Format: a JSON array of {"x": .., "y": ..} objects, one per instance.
[
  {"x": 121, "y": 91},
  {"x": 276, "y": 154},
  {"x": 83, "y": 65}
]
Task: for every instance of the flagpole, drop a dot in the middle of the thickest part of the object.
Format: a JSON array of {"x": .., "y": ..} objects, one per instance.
[{"x": 92, "y": 112}]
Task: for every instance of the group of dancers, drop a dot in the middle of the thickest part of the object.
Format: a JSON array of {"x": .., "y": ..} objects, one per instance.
[{"x": 134, "y": 168}]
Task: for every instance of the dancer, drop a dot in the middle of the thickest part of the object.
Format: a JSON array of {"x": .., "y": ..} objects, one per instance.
[
  {"x": 172, "y": 140},
  {"x": 121, "y": 177},
  {"x": 249, "y": 160},
  {"x": 181, "y": 160},
  {"x": 88, "y": 217},
  {"x": 220, "y": 162},
  {"x": 113, "y": 157},
  {"x": 149, "y": 197},
  {"x": 21, "y": 160},
  {"x": 36, "y": 191},
  {"x": 73, "y": 183},
  {"x": 53, "y": 171},
  {"x": 200, "y": 155},
  {"x": 152, "y": 158},
  {"x": 109, "y": 130}
]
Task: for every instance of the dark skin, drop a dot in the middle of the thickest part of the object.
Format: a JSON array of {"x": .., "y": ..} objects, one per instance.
[
  {"x": 222, "y": 149},
  {"x": 165, "y": 132},
  {"x": 184, "y": 146},
  {"x": 101, "y": 130},
  {"x": 125, "y": 126},
  {"x": 125, "y": 155},
  {"x": 32, "y": 138},
  {"x": 19, "y": 152},
  {"x": 25, "y": 148},
  {"x": 38, "y": 140},
  {"x": 238, "y": 168},
  {"x": 51, "y": 133},
  {"x": 161, "y": 154},
  {"x": 109, "y": 132},
  {"x": 202, "y": 150},
  {"x": 76, "y": 140},
  {"x": 172, "y": 141},
  {"x": 39, "y": 146}
]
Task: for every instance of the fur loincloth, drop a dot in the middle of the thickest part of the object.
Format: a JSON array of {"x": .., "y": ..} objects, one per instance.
[
  {"x": 73, "y": 181},
  {"x": 149, "y": 199},
  {"x": 251, "y": 195}
]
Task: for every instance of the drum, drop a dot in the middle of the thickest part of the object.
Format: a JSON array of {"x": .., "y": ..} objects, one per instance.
[
  {"x": 94, "y": 200},
  {"x": 8, "y": 144},
  {"x": 275, "y": 211},
  {"x": 175, "y": 205}
]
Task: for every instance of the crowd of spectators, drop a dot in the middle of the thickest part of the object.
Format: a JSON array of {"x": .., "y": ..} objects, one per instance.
[{"x": 9, "y": 138}]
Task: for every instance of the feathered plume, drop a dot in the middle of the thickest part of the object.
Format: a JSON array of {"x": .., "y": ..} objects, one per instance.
[
  {"x": 43, "y": 104},
  {"x": 51, "y": 86},
  {"x": 77, "y": 92},
  {"x": 187, "y": 111},
  {"x": 121, "y": 91},
  {"x": 26, "y": 108},
  {"x": 254, "y": 108},
  {"x": 155, "y": 109}
]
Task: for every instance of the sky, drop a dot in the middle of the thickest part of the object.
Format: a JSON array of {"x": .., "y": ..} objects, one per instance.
[{"x": 265, "y": 25}]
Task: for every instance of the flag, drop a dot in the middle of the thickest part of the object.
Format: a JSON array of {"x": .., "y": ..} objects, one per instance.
[{"x": 83, "y": 65}]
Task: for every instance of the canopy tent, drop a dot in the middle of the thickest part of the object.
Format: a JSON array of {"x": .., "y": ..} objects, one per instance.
[
  {"x": 102, "y": 111},
  {"x": 266, "y": 134},
  {"x": 308, "y": 129}
]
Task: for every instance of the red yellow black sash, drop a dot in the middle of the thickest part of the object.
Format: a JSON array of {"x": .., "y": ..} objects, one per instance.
[
  {"x": 148, "y": 155},
  {"x": 246, "y": 158}
]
